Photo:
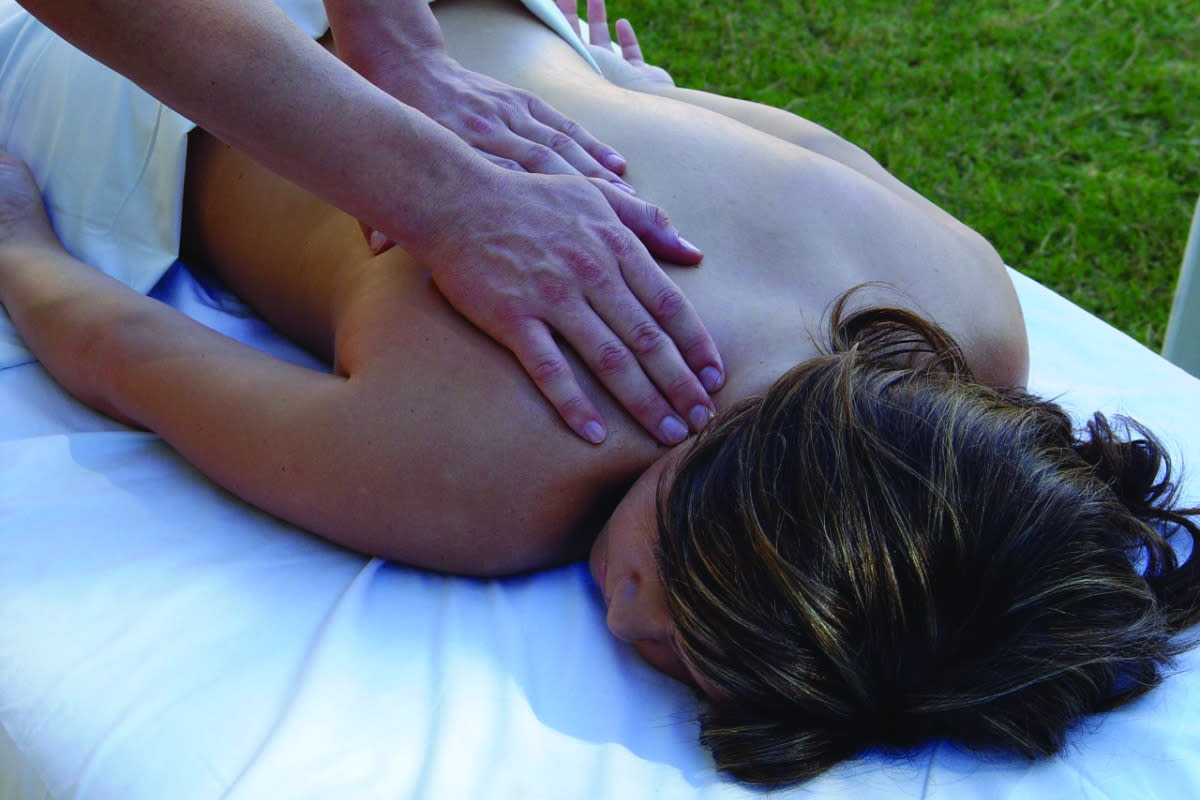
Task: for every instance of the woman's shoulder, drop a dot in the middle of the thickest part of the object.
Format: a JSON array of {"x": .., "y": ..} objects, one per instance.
[{"x": 485, "y": 478}]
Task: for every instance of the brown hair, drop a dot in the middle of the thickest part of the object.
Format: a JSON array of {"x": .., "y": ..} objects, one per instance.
[{"x": 880, "y": 551}]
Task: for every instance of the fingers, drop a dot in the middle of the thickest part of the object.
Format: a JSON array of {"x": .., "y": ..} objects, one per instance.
[
  {"x": 543, "y": 361},
  {"x": 617, "y": 367},
  {"x": 503, "y": 163},
  {"x": 598, "y": 23},
  {"x": 662, "y": 299},
  {"x": 629, "y": 353},
  {"x": 570, "y": 10},
  {"x": 652, "y": 226},
  {"x": 627, "y": 39},
  {"x": 529, "y": 146},
  {"x": 579, "y": 148},
  {"x": 534, "y": 149},
  {"x": 626, "y": 336},
  {"x": 691, "y": 368},
  {"x": 664, "y": 363},
  {"x": 518, "y": 129},
  {"x": 646, "y": 368}
]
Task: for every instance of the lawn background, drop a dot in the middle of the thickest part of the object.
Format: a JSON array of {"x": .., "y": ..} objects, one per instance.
[{"x": 1068, "y": 133}]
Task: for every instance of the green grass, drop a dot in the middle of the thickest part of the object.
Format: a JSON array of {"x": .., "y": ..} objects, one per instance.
[{"x": 1068, "y": 133}]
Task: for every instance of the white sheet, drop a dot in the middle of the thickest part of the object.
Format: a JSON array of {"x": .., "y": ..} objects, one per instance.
[{"x": 161, "y": 639}]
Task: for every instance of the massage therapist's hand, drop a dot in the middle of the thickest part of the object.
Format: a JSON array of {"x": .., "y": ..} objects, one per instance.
[
  {"x": 398, "y": 46},
  {"x": 546, "y": 255}
]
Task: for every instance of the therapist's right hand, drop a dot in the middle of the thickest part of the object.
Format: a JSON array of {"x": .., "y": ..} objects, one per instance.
[{"x": 531, "y": 258}]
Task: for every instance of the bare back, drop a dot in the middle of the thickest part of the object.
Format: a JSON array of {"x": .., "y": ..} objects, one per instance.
[{"x": 444, "y": 455}]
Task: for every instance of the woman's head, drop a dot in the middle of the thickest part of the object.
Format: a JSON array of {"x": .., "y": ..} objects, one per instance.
[{"x": 880, "y": 551}]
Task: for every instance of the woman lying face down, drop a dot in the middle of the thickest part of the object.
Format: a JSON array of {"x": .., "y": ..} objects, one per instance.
[
  {"x": 879, "y": 539},
  {"x": 877, "y": 552}
]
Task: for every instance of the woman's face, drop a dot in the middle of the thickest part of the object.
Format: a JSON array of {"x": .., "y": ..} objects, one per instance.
[{"x": 625, "y": 569}]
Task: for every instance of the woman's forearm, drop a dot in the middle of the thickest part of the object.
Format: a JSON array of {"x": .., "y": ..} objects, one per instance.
[{"x": 244, "y": 71}]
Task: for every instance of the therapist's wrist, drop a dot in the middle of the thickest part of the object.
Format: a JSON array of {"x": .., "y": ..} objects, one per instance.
[
  {"x": 452, "y": 204},
  {"x": 380, "y": 34}
]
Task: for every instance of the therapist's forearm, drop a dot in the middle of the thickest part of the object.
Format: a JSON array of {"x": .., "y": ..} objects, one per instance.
[{"x": 245, "y": 72}]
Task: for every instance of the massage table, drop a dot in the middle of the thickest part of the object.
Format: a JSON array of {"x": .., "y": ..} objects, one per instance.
[
  {"x": 1181, "y": 345},
  {"x": 161, "y": 639}
]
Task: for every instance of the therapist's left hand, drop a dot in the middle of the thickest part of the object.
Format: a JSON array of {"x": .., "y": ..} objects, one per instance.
[
  {"x": 511, "y": 127},
  {"x": 399, "y": 47}
]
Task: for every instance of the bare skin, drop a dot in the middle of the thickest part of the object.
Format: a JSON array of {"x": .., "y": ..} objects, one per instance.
[
  {"x": 429, "y": 444},
  {"x": 249, "y": 74}
]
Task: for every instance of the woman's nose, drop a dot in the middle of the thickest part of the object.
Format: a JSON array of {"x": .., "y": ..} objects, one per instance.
[{"x": 637, "y": 613}]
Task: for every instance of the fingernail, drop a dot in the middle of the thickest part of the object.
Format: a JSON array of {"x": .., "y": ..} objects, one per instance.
[
  {"x": 699, "y": 417},
  {"x": 624, "y": 187},
  {"x": 377, "y": 240},
  {"x": 688, "y": 245},
  {"x": 711, "y": 378},
  {"x": 673, "y": 430},
  {"x": 614, "y": 162},
  {"x": 594, "y": 432}
]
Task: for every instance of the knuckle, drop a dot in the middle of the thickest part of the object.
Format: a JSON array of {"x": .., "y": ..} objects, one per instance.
[
  {"x": 574, "y": 406},
  {"x": 560, "y": 142},
  {"x": 552, "y": 289},
  {"x": 547, "y": 368},
  {"x": 585, "y": 267},
  {"x": 667, "y": 303},
  {"x": 479, "y": 125},
  {"x": 648, "y": 405},
  {"x": 619, "y": 241},
  {"x": 570, "y": 127},
  {"x": 612, "y": 358},
  {"x": 507, "y": 313},
  {"x": 697, "y": 344},
  {"x": 645, "y": 338},
  {"x": 538, "y": 154},
  {"x": 685, "y": 386}
]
